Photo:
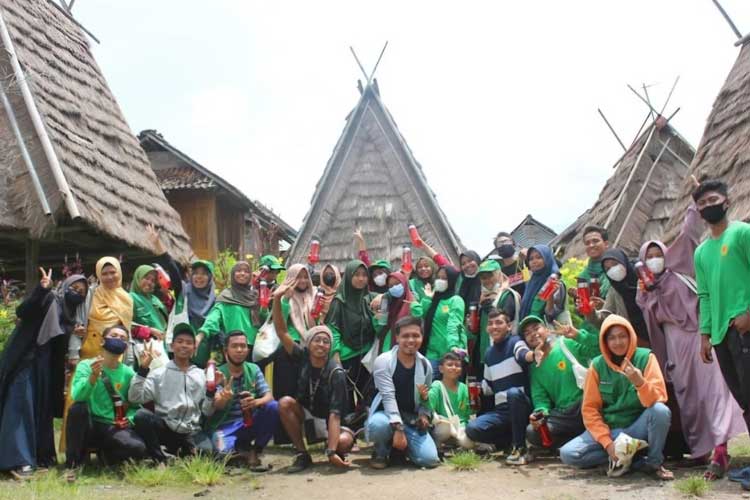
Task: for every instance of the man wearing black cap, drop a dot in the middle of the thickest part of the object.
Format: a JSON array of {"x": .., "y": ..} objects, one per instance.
[{"x": 178, "y": 391}]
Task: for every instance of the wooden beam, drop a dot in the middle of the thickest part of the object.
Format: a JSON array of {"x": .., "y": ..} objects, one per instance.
[{"x": 32, "y": 263}]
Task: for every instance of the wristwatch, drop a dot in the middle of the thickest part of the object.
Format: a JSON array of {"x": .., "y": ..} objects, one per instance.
[{"x": 329, "y": 452}]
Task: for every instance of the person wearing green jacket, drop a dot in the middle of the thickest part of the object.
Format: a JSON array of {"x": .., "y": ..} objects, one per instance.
[
  {"x": 443, "y": 315},
  {"x": 236, "y": 308},
  {"x": 449, "y": 397},
  {"x": 100, "y": 415},
  {"x": 555, "y": 394},
  {"x": 352, "y": 324},
  {"x": 425, "y": 275},
  {"x": 149, "y": 313}
]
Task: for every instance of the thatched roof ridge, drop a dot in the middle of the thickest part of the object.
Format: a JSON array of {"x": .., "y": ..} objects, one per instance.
[
  {"x": 109, "y": 175},
  {"x": 724, "y": 149},
  {"x": 651, "y": 211},
  {"x": 532, "y": 232},
  {"x": 372, "y": 181}
]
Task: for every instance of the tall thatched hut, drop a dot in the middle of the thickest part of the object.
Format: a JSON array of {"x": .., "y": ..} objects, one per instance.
[
  {"x": 75, "y": 177},
  {"x": 372, "y": 182},
  {"x": 639, "y": 199},
  {"x": 724, "y": 149}
]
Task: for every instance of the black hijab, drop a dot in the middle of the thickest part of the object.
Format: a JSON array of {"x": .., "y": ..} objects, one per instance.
[
  {"x": 471, "y": 288},
  {"x": 628, "y": 288},
  {"x": 429, "y": 317}
]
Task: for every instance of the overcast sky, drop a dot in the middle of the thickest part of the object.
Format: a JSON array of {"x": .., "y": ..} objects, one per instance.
[{"x": 497, "y": 100}]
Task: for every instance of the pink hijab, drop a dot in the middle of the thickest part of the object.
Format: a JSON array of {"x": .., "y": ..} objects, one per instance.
[{"x": 301, "y": 303}]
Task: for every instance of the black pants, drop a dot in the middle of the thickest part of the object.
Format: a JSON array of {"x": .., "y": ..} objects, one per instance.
[
  {"x": 154, "y": 431},
  {"x": 733, "y": 355},
  {"x": 114, "y": 445},
  {"x": 362, "y": 382},
  {"x": 563, "y": 425}
]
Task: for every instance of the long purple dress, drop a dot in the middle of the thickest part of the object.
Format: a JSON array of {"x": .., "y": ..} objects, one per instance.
[{"x": 709, "y": 414}]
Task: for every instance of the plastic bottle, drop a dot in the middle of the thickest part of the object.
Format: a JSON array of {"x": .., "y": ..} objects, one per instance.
[
  {"x": 543, "y": 430},
  {"x": 475, "y": 394},
  {"x": 549, "y": 287},
  {"x": 584, "y": 297},
  {"x": 383, "y": 310},
  {"x": 211, "y": 376},
  {"x": 595, "y": 287},
  {"x": 264, "y": 294},
  {"x": 414, "y": 235},
  {"x": 317, "y": 308},
  {"x": 218, "y": 441},
  {"x": 406, "y": 262},
  {"x": 474, "y": 319},
  {"x": 645, "y": 275},
  {"x": 314, "y": 256},
  {"x": 120, "y": 421}
]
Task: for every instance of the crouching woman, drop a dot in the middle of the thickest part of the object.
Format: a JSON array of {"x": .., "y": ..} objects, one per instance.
[{"x": 624, "y": 392}]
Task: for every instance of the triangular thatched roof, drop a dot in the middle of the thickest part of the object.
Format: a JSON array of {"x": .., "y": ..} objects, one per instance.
[
  {"x": 724, "y": 150},
  {"x": 113, "y": 188},
  {"x": 531, "y": 232},
  {"x": 651, "y": 207},
  {"x": 372, "y": 181}
]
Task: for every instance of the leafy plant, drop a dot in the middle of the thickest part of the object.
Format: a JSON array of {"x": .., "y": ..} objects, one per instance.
[
  {"x": 693, "y": 485},
  {"x": 204, "y": 470},
  {"x": 569, "y": 273},
  {"x": 223, "y": 269},
  {"x": 7, "y": 321},
  {"x": 147, "y": 475},
  {"x": 465, "y": 461}
]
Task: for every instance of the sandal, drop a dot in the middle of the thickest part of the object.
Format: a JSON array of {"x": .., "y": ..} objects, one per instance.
[
  {"x": 715, "y": 471},
  {"x": 664, "y": 474}
]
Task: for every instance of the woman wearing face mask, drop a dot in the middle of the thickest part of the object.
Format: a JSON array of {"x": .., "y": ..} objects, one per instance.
[
  {"x": 541, "y": 262},
  {"x": 236, "y": 308},
  {"x": 400, "y": 301},
  {"x": 708, "y": 413},
  {"x": 378, "y": 271},
  {"x": 444, "y": 314},
  {"x": 149, "y": 313},
  {"x": 330, "y": 279},
  {"x": 351, "y": 322},
  {"x": 32, "y": 373}
]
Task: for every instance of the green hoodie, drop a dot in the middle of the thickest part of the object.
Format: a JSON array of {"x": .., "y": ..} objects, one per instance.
[
  {"x": 350, "y": 318},
  {"x": 148, "y": 310}
]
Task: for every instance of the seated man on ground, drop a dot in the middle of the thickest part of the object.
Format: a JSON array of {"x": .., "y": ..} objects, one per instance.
[
  {"x": 505, "y": 377},
  {"x": 321, "y": 392},
  {"x": 449, "y": 400},
  {"x": 245, "y": 414},
  {"x": 624, "y": 393},
  {"x": 178, "y": 391},
  {"x": 100, "y": 415},
  {"x": 555, "y": 391},
  {"x": 400, "y": 414}
]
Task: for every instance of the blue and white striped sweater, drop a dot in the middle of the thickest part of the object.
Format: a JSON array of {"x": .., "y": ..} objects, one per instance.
[{"x": 505, "y": 367}]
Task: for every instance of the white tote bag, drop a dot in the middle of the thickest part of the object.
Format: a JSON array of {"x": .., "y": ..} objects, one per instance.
[
  {"x": 579, "y": 371},
  {"x": 175, "y": 318},
  {"x": 266, "y": 341},
  {"x": 368, "y": 360}
]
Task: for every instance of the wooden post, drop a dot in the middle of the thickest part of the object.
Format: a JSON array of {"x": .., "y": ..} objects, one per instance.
[{"x": 32, "y": 264}]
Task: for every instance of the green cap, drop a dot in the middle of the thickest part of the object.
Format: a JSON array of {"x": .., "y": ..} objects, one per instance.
[
  {"x": 182, "y": 329},
  {"x": 203, "y": 263},
  {"x": 489, "y": 266},
  {"x": 272, "y": 262},
  {"x": 531, "y": 318},
  {"x": 381, "y": 263}
]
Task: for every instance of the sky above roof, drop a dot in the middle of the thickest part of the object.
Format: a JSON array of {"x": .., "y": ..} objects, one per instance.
[{"x": 497, "y": 100}]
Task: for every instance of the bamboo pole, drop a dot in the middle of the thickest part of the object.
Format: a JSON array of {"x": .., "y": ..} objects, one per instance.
[
  {"x": 612, "y": 129},
  {"x": 728, "y": 19}
]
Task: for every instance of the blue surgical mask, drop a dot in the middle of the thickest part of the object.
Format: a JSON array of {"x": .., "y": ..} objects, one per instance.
[
  {"x": 114, "y": 345},
  {"x": 396, "y": 291}
]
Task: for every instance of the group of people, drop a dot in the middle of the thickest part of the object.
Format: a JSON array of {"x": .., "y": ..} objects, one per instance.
[{"x": 482, "y": 355}]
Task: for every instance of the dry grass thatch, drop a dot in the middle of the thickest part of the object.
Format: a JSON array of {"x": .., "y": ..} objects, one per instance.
[
  {"x": 724, "y": 150},
  {"x": 109, "y": 174},
  {"x": 651, "y": 211},
  {"x": 373, "y": 182}
]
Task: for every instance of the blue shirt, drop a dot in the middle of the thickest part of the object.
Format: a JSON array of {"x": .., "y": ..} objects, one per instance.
[{"x": 505, "y": 367}]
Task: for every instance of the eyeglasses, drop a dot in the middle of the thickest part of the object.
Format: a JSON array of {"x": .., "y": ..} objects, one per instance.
[{"x": 321, "y": 340}]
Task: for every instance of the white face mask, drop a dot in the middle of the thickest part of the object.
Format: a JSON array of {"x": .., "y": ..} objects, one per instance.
[
  {"x": 617, "y": 273},
  {"x": 441, "y": 285},
  {"x": 655, "y": 265},
  {"x": 380, "y": 279},
  {"x": 471, "y": 275}
]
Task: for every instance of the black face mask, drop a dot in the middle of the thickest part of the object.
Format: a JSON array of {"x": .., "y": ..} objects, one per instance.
[
  {"x": 506, "y": 251},
  {"x": 114, "y": 345},
  {"x": 713, "y": 214},
  {"x": 329, "y": 279},
  {"x": 73, "y": 298}
]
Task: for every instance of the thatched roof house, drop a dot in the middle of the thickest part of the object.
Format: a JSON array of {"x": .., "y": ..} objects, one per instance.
[
  {"x": 94, "y": 180},
  {"x": 638, "y": 200},
  {"x": 373, "y": 182},
  {"x": 724, "y": 150},
  {"x": 215, "y": 214},
  {"x": 531, "y": 232}
]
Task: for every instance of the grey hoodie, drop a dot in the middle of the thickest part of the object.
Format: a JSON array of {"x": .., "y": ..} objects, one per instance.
[{"x": 179, "y": 397}]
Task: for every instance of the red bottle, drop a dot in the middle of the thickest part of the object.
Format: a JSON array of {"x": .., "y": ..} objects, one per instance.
[
  {"x": 314, "y": 256},
  {"x": 406, "y": 263},
  {"x": 473, "y": 319},
  {"x": 549, "y": 287},
  {"x": 595, "y": 288},
  {"x": 317, "y": 308},
  {"x": 165, "y": 283},
  {"x": 645, "y": 275},
  {"x": 584, "y": 297},
  {"x": 414, "y": 235},
  {"x": 264, "y": 294},
  {"x": 475, "y": 394},
  {"x": 247, "y": 418},
  {"x": 211, "y": 376},
  {"x": 543, "y": 430},
  {"x": 120, "y": 421},
  {"x": 262, "y": 275}
]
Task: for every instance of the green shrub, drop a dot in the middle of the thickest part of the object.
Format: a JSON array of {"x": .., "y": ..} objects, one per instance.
[
  {"x": 693, "y": 485},
  {"x": 465, "y": 461}
]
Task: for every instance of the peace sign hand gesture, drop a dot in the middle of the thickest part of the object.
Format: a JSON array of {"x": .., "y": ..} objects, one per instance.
[
  {"x": 153, "y": 238},
  {"x": 632, "y": 373},
  {"x": 568, "y": 331},
  {"x": 147, "y": 356},
  {"x": 225, "y": 395},
  {"x": 46, "y": 280}
]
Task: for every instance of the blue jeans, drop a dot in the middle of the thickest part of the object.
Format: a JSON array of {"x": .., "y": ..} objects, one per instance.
[
  {"x": 420, "y": 446},
  {"x": 652, "y": 426},
  {"x": 504, "y": 425}
]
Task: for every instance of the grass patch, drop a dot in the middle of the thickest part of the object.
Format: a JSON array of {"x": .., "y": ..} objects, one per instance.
[
  {"x": 693, "y": 485},
  {"x": 203, "y": 470},
  {"x": 150, "y": 475},
  {"x": 465, "y": 460}
]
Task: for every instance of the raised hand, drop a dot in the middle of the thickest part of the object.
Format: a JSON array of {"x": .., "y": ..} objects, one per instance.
[
  {"x": 568, "y": 331},
  {"x": 46, "y": 281},
  {"x": 96, "y": 370},
  {"x": 358, "y": 235},
  {"x": 147, "y": 356},
  {"x": 154, "y": 240},
  {"x": 281, "y": 290},
  {"x": 695, "y": 181},
  {"x": 632, "y": 373},
  {"x": 428, "y": 291}
]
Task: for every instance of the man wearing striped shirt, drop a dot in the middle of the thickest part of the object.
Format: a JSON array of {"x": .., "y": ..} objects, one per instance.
[{"x": 506, "y": 378}]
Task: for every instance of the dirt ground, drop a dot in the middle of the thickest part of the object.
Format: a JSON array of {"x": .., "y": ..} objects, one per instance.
[{"x": 543, "y": 479}]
